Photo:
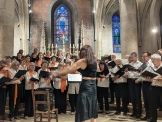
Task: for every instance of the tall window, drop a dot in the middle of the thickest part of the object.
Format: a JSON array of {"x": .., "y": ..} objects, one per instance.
[
  {"x": 116, "y": 34},
  {"x": 62, "y": 27}
]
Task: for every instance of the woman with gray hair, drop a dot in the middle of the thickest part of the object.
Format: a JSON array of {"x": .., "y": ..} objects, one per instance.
[
  {"x": 29, "y": 86},
  {"x": 14, "y": 94}
]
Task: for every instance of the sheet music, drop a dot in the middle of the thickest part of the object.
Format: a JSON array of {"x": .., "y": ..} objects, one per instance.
[{"x": 74, "y": 77}]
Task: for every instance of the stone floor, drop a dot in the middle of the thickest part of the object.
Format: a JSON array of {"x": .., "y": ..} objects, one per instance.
[{"x": 102, "y": 118}]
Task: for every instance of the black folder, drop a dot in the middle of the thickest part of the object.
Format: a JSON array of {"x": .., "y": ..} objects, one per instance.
[
  {"x": 103, "y": 58},
  {"x": 20, "y": 73},
  {"x": 3, "y": 80},
  {"x": 120, "y": 72},
  {"x": 98, "y": 74},
  {"x": 37, "y": 68},
  {"x": 130, "y": 68},
  {"x": 64, "y": 60},
  {"x": 33, "y": 60},
  {"x": 43, "y": 74},
  {"x": 47, "y": 59},
  {"x": 142, "y": 67},
  {"x": 34, "y": 79},
  {"x": 74, "y": 57},
  {"x": 148, "y": 74},
  {"x": 159, "y": 71},
  {"x": 112, "y": 63},
  {"x": 53, "y": 68}
]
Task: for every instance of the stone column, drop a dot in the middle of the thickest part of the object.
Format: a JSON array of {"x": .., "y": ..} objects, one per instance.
[
  {"x": 7, "y": 11},
  {"x": 129, "y": 42}
]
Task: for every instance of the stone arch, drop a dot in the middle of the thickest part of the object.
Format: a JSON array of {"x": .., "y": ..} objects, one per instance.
[
  {"x": 21, "y": 26},
  {"x": 155, "y": 22},
  {"x": 17, "y": 30},
  {"x": 72, "y": 7},
  {"x": 106, "y": 35}
]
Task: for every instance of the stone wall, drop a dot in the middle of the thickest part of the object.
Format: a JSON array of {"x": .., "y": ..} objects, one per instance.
[
  {"x": 146, "y": 16},
  {"x": 41, "y": 11}
]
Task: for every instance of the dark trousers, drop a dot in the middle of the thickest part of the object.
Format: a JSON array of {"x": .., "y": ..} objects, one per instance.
[
  {"x": 73, "y": 101},
  {"x": 2, "y": 100},
  {"x": 60, "y": 100},
  {"x": 103, "y": 93},
  {"x": 135, "y": 92},
  {"x": 146, "y": 89},
  {"x": 28, "y": 104},
  {"x": 156, "y": 95},
  {"x": 112, "y": 91},
  {"x": 121, "y": 91},
  {"x": 14, "y": 108}
]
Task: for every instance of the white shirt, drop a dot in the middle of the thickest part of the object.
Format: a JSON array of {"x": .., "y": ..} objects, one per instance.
[
  {"x": 22, "y": 68},
  {"x": 42, "y": 81},
  {"x": 155, "y": 82},
  {"x": 120, "y": 79},
  {"x": 113, "y": 70},
  {"x": 148, "y": 68},
  {"x": 13, "y": 73},
  {"x": 104, "y": 83},
  {"x": 57, "y": 83},
  {"x": 133, "y": 74},
  {"x": 56, "y": 65},
  {"x": 73, "y": 88},
  {"x": 27, "y": 80}
]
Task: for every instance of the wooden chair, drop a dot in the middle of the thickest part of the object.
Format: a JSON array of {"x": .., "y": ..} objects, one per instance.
[{"x": 41, "y": 113}]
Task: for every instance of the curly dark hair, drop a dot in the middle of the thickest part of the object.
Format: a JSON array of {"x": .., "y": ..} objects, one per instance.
[
  {"x": 37, "y": 58},
  {"x": 86, "y": 52}
]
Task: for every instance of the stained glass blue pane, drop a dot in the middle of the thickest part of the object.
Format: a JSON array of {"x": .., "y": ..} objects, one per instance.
[
  {"x": 62, "y": 30},
  {"x": 62, "y": 27},
  {"x": 116, "y": 34},
  {"x": 116, "y": 48},
  {"x": 116, "y": 18},
  {"x": 116, "y": 40}
]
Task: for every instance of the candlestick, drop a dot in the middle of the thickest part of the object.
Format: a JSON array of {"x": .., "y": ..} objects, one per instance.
[
  {"x": 73, "y": 48},
  {"x": 48, "y": 46},
  {"x": 52, "y": 48},
  {"x": 70, "y": 48},
  {"x": 77, "y": 45},
  {"x": 56, "y": 50}
]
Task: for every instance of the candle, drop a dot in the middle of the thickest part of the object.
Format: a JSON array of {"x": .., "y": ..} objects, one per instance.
[
  {"x": 56, "y": 45},
  {"x": 70, "y": 46},
  {"x": 77, "y": 46},
  {"x": 52, "y": 45},
  {"x": 73, "y": 46}
]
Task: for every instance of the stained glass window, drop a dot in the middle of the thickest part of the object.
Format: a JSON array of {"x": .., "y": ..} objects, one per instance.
[
  {"x": 116, "y": 34},
  {"x": 62, "y": 27}
]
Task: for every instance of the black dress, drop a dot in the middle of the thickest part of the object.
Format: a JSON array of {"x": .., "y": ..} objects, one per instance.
[{"x": 87, "y": 98}]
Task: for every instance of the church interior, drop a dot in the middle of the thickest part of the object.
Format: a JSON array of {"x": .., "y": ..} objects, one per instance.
[{"x": 111, "y": 27}]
